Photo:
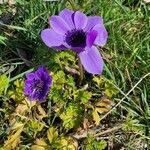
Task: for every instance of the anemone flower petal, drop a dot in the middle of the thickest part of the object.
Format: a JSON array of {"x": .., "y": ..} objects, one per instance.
[
  {"x": 102, "y": 36},
  {"x": 59, "y": 25},
  {"x": 91, "y": 60},
  {"x": 91, "y": 36},
  {"x": 51, "y": 38},
  {"x": 80, "y": 20},
  {"x": 38, "y": 87},
  {"x": 67, "y": 15},
  {"x": 92, "y": 21},
  {"x": 41, "y": 71},
  {"x": 30, "y": 75}
]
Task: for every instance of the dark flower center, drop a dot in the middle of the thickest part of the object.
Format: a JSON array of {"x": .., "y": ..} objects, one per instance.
[
  {"x": 76, "y": 38},
  {"x": 38, "y": 85}
]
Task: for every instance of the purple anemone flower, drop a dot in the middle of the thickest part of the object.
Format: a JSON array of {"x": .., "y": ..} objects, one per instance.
[
  {"x": 37, "y": 84},
  {"x": 74, "y": 30}
]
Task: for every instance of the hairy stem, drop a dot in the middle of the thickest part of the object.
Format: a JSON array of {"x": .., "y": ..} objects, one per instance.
[{"x": 80, "y": 70}]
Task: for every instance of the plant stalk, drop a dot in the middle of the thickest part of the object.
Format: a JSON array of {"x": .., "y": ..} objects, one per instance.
[{"x": 80, "y": 70}]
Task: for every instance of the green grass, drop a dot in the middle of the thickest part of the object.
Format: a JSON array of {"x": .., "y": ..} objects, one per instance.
[{"x": 127, "y": 60}]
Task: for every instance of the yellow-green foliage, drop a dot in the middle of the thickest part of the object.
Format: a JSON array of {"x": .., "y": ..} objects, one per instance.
[
  {"x": 55, "y": 141},
  {"x": 16, "y": 92},
  {"x": 3, "y": 82},
  {"x": 93, "y": 144},
  {"x": 106, "y": 85},
  {"x": 72, "y": 116},
  {"x": 132, "y": 125}
]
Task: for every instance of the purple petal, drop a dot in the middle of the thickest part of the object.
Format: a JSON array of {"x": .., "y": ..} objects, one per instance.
[
  {"x": 101, "y": 39},
  {"x": 40, "y": 71},
  {"x": 92, "y": 21},
  {"x": 91, "y": 36},
  {"x": 27, "y": 87},
  {"x": 92, "y": 60},
  {"x": 27, "y": 90},
  {"x": 51, "y": 38},
  {"x": 67, "y": 15},
  {"x": 80, "y": 20},
  {"x": 37, "y": 87},
  {"x": 30, "y": 76},
  {"x": 28, "y": 82},
  {"x": 59, "y": 25}
]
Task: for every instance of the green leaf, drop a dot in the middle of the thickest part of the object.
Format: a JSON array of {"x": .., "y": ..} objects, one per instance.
[
  {"x": 132, "y": 124},
  {"x": 35, "y": 125},
  {"x": 15, "y": 27},
  {"x": 93, "y": 144},
  {"x": 14, "y": 138},
  {"x": 105, "y": 85},
  {"x": 52, "y": 134},
  {"x": 67, "y": 143},
  {"x": 96, "y": 117},
  {"x": 62, "y": 89},
  {"x": 100, "y": 107},
  {"x": 2, "y": 40},
  {"x": 37, "y": 147},
  {"x": 3, "y": 82},
  {"x": 65, "y": 58},
  {"x": 110, "y": 90},
  {"x": 72, "y": 116},
  {"x": 40, "y": 145},
  {"x": 99, "y": 80},
  {"x": 16, "y": 92},
  {"x": 83, "y": 96}
]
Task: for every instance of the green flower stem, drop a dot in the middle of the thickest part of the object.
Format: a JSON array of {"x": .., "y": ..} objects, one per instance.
[{"x": 80, "y": 70}]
